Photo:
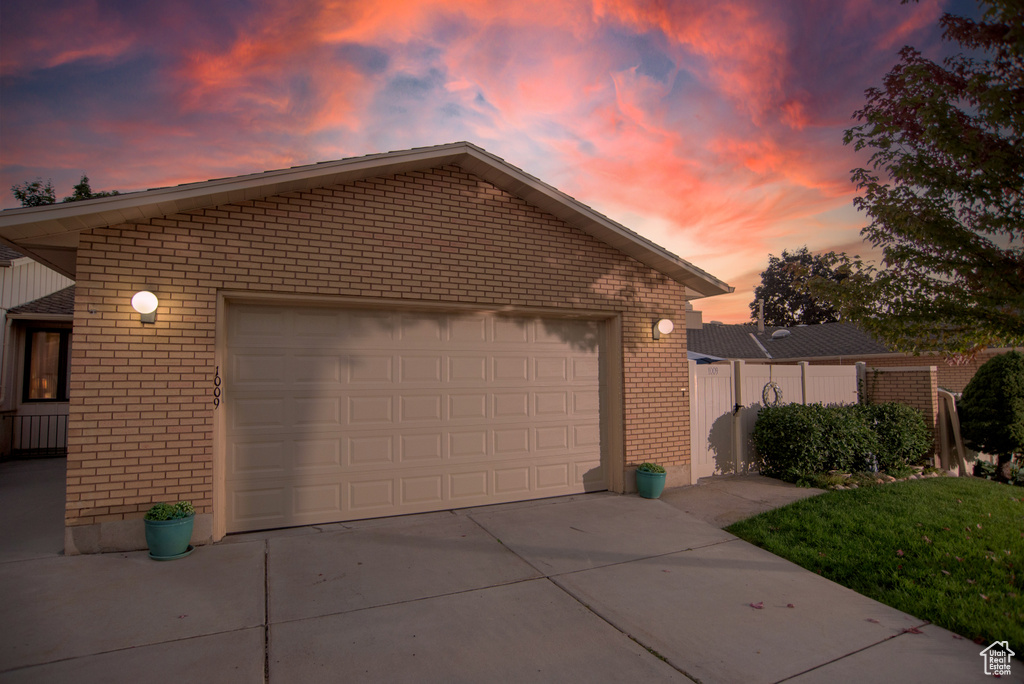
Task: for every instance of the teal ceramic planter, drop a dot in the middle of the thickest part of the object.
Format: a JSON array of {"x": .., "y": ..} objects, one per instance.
[
  {"x": 169, "y": 539},
  {"x": 649, "y": 485}
]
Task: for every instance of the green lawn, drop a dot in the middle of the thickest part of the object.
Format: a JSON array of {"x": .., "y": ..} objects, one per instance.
[{"x": 947, "y": 550}]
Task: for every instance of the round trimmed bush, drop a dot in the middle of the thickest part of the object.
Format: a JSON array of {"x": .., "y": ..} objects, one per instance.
[{"x": 992, "y": 409}]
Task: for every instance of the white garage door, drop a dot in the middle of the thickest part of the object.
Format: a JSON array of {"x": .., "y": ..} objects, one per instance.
[{"x": 345, "y": 414}]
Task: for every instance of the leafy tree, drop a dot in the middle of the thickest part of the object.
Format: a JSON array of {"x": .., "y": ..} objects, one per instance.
[
  {"x": 36, "y": 194},
  {"x": 945, "y": 194},
  {"x": 991, "y": 409},
  {"x": 83, "y": 191},
  {"x": 786, "y": 300}
]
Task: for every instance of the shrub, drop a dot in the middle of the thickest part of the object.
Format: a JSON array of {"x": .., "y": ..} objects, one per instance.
[
  {"x": 795, "y": 441},
  {"x": 992, "y": 409},
  {"x": 1017, "y": 472},
  {"x": 984, "y": 469},
  {"x": 903, "y": 437},
  {"x": 166, "y": 511},
  {"x": 650, "y": 468}
]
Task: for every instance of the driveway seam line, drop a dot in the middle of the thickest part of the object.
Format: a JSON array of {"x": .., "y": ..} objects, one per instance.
[
  {"x": 851, "y": 653},
  {"x": 413, "y": 600},
  {"x": 642, "y": 558},
  {"x": 132, "y": 647},
  {"x": 266, "y": 610},
  {"x": 649, "y": 649}
]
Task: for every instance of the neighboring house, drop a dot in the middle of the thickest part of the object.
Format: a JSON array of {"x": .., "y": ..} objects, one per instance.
[
  {"x": 746, "y": 341},
  {"x": 404, "y": 332},
  {"x": 841, "y": 344},
  {"x": 39, "y": 341},
  {"x": 29, "y": 392}
]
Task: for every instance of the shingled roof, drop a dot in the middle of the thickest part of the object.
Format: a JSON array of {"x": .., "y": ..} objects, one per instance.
[
  {"x": 807, "y": 341},
  {"x": 60, "y": 303},
  {"x": 7, "y": 255}
]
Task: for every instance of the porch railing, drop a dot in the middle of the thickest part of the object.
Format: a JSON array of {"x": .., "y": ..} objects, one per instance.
[{"x": 33, "y": 436}]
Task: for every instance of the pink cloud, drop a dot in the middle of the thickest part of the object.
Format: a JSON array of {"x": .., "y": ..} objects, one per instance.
[{"x": 720, "y": 123}]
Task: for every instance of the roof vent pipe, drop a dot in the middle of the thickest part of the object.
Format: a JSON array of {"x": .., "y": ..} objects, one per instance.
[{"x": 760, "y": 316}]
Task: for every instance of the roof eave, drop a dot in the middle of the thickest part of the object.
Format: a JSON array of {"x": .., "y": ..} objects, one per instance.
[{"x": 50, "y": 234}]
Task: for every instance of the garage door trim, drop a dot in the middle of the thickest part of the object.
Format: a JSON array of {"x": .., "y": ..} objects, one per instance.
[{"x": 611, "y": 358}]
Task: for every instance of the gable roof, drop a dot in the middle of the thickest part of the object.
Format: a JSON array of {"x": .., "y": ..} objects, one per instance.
[
  {"x": 49, "y": 234},
  {"x": 744, "y": 342},
  {"x": 60, "y": 304}
]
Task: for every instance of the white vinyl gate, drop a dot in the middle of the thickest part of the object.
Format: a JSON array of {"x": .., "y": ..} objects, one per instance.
[{"x": 726, "y": 398}]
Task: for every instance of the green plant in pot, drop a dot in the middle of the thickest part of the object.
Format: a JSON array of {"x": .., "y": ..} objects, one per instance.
[
  {"x": 650, "y": 480},
  {"x": 169, "y": 530}
]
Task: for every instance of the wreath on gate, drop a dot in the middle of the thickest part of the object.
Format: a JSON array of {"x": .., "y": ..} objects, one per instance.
[{"x": 771, "y": 395}]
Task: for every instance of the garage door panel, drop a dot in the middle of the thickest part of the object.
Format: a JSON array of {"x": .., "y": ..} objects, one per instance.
[
  {"x": 262, "y": 326},
  {"x": 556, "y": 437},
  {"x": 314, "y": 412},
  {"x": 585, "y": 369},
  {"x": 260, "y": 368},
  {"x": 468, "y": 445},
  {"x": 258, "y": 413},
  {"x": 512, "y": 441},
  {"x": 316, "y": 499},
  {"x": 325, "y": 324},
  {"x": 370, "y": 497},
  {"x": 420, "y": 448},
  {"x": 467, "y": 369},
  {"x": 515, "y": 405},
  {"x": 553, "y": 476},
  {"x": 370, "y": 369},
  {"x": 264, "y": 457},
  {"x": 370, "y": 450},
  {"x": 346, "y": 414},
  {"x": 548, "y": 404},
  {"x": 467, "y": 330},
  {"x": 422, "y": 490},
  {"x": 419, "y": 408},
  {"x": 370, "y": 410},
  {"x": 469, "y": 485},
  {"x": 512, "y": 481},
  {"x": 318, "y": 454},
  {"x": 317, "y": 369},
  {"x": 510, "y": 330},
  {"x": 255, "y": 508},
  {"x": 421, "y": 330},
  {"x": 586, "y": 403},
  {"x": 467, "y": 406},
  {"x": 420, "y": 369},
  {"x": 586, "y": 436},
  {"x": 511, "y": 368},
  {"x": 551, "y": 369}
]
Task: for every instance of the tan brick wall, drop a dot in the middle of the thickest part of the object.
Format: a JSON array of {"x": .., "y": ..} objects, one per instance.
[
  {"x": 917, "y": 387},
  {"x": 141, "y": 396},
  {"x": 951, "y": 376}
]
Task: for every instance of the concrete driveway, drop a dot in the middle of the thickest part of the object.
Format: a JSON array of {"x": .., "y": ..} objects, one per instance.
[{"x": 595, "y": 588}]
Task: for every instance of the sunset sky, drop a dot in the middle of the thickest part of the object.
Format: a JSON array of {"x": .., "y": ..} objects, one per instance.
[{"x": 712, "y": 127}]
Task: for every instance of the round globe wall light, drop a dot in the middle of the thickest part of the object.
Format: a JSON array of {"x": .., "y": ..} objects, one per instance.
[
  {"x": 145, "y": 302},
  {"x": 663, "y": 327}
]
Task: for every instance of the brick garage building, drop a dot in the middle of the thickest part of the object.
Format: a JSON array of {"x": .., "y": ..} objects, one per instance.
[{"x": 398, "y": 333}]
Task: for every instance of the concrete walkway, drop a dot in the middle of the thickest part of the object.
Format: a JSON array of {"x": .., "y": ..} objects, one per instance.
[{"x": 595, "y": 588}]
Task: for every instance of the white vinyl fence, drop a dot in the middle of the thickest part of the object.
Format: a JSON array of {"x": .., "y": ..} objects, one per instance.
[{"x": 725, "y": 399}]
